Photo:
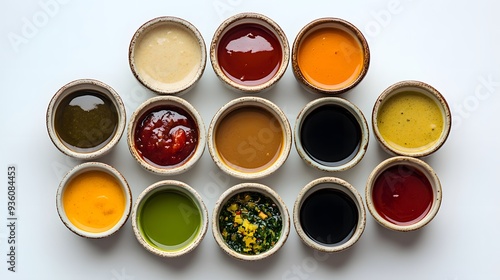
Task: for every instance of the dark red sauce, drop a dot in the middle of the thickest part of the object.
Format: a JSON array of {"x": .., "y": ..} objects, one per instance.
[
  {"x": 249, "y": 54},
  {"x": 166, "y": 135},
  {"x": 402, "y": 195}
]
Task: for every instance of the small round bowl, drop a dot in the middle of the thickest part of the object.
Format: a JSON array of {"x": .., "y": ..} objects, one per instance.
[
  {"x": 167, "y": 55},
  {"x": 165, "y": 207},
  {"x": 411, "y": 118},
  {"x": 88, "y": 197},
  {"x": 403, "y": 193},
  {"x": 249, "y": 138},
  {"x": 85, "y": 119},
  {"x": 330, "y": 56},
  {"x": 331, "y": 134},
  {"x": 247, "y": 193},
  {"x": 335, "y": 202},
  {"x": 249, "y": 52},
  {"x": 163, "y": 136}
]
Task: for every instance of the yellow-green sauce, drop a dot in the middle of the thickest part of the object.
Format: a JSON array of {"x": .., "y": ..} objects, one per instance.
[{"x": 410, "y": 121}]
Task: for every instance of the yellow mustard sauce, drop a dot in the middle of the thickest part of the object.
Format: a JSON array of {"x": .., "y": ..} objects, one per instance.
[{"x": 410, "y": 121}]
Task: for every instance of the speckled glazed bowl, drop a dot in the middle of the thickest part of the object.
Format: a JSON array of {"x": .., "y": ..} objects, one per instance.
[
  {"x": 167, "y": 55},
  {"x": 164, "y": 103},
  {"x": 158, "y": 208},
  {"x": 248, "y": 44},
  {"x": 345, "y": 199},
  {"x": 63, "y": 113},
  {"x": 246, "y": 227},
  {"x": 414, "y": 110},
  {"x": 100, "y": 203},
  {"x": 235, "y": 147},
  {"x": 403, "y": 193}
]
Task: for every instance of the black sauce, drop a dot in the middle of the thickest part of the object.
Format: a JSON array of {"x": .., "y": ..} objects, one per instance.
[
  {"x": 329, "y": 216},
  {"x": 331, "y": 135}
]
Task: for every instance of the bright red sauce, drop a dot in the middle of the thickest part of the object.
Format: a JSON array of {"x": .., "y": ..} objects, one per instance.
[
  {"x": 402, "y": 195},
  {"x": 249, "y": 54},
  {"x": 166, "y": 135}
]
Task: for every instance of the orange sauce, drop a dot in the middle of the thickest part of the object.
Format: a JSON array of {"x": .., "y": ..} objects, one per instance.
[
  {"x": 94, "y": 201},
  {"x": 330, "y": 58}
]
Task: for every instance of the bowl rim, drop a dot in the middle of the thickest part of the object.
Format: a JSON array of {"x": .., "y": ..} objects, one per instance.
[
  {"x": 354, "y": 110},
  {"x": 165, "y": 20},
  {"x": 177, "y": 186},
  {"x": 252, "y": 187},
  {"x": 271, "y": 26},
  {"x": 79, "y": 85},
  {"x": 239, "y": 103},
  {"x": 78, "y": 170},
  {"x": 337, "y": 23},
  {"x": 422, "y": 167},
  {"x": 329, "y": 183},
  {"x": 422, "y": 88},
  {"x": 158, "y": 101}
]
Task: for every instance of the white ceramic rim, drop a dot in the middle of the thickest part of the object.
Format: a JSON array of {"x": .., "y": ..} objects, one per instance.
[
  {"x": 334, "y": 23},
  {"x": 354, "y": 110},
  {"x": 329, "y": 183},
  {"x": 421, "y": 166},
  {"x": 239, "y": 103},
  {"x": 423, "y": 88},
  {"x": 165, "y": 20},
  {"x": 259, "y": 19},
  {"x": 178, "y": 186},
  {"x": 170, "y": 101},
  {"x": 251, "y": 187},
  {"x": 78, "y": 85},
  {"x": 80, "y": 169}
]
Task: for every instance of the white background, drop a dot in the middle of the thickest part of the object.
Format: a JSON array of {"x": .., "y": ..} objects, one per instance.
[{"x": 452, "y": 45}]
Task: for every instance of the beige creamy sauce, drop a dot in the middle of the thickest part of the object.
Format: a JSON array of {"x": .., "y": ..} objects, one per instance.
[{"x": 167, "y": 57}]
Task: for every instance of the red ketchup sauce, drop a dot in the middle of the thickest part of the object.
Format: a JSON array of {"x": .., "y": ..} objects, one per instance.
[
  {"x": 166, "y": 135},
  {"x": 249, "y": 54},
  {"x": 402, "y": 195}
]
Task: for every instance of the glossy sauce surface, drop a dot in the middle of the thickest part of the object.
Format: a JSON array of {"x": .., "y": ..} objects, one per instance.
[
  {"x": 249, "y": 139},
  {"x": 249, "y": 54},
  {"x": 169, "y": 220},
  {"x": 330, "y": 134},
  {"x": 402, "y": 195},
  {"x": 329, "y": 216},
  {"x": 330, "y": 58},
  {"x": 166, "y": 135},
  {"x": 86, "y": 120}
]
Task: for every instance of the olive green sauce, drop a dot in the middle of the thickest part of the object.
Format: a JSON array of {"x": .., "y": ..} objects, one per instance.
[
  {"x": 250, "y": 223},
  {"x": 86, "y": 120}
]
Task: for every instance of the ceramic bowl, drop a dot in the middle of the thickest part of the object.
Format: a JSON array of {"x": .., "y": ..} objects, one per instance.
[
  {"x": 351, "y": 53},
  {"x": 412, "y": 129},
  {"x": 183, "y": 212},
  {"x": 248, "y": 144},
  {"x": 167, "y": 55},
  {"x": 352, "y": 112},
  {"x": 242, "y": 189},
  {"x": 349, "y": 193},
  {"x": 91, "y": 140},
  {"x": 169, "y": 102},
  {"x": 398, "y": 197},
  {"x": 242, "y": 44},
  {"x": 67, "y": 183}
]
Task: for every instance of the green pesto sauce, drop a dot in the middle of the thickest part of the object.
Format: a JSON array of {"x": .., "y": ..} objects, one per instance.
[
  {"x": 250, "y": 223},
  {"x": 86, "y": 120},
  {"x": 169, "y": 220}
]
